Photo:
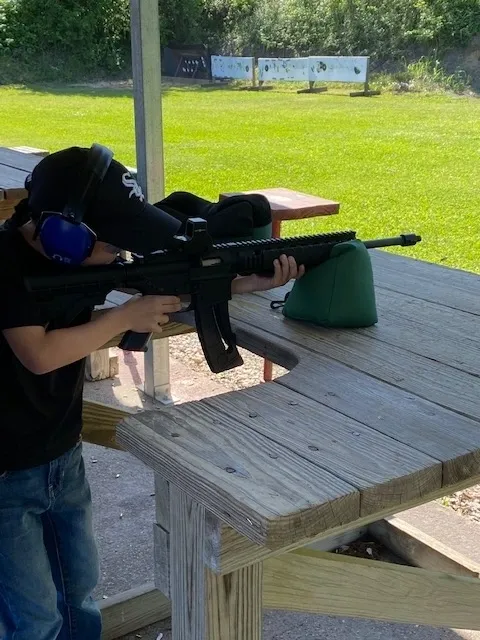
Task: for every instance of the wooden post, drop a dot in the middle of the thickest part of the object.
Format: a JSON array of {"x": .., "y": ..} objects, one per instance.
[
  {"x": 147, "y": 91},
  {"x": 206, "y": 605},
  {"x": 100, "y": 365},
  {"x": 161, "y": 535}
]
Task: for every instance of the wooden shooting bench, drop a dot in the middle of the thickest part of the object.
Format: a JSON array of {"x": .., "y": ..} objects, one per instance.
[{"x": 251, "y": 484}]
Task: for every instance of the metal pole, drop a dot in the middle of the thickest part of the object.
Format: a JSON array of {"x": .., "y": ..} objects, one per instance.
[{"x": 147, "y": 77}]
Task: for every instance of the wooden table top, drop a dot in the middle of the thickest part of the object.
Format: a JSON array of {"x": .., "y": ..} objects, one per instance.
[
  {"x": 14, "y": 168},
  {"x": 287, "y": 204},
  {"x": 366, "y": 422}
]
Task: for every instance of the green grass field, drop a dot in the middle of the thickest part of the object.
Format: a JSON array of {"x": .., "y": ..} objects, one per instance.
[{"x": 395, "y": 162}]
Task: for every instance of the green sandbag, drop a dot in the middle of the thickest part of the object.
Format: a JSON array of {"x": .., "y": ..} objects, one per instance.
[{"x": 337, "y": 293}]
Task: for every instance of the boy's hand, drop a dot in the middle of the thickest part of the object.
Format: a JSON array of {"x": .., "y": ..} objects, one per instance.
[
  {"x": 41, "y": 352},
  {"x": 146, "y": 314},
  {"x": 285, "y": 269}
]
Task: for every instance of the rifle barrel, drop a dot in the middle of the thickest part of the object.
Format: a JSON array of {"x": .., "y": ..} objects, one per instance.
[{"x": 403, "y": 240}]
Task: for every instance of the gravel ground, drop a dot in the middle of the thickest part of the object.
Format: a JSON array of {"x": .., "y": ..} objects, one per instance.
[
  {"x": 187, "y": 350},
  {"x": 466, "y": 502}
]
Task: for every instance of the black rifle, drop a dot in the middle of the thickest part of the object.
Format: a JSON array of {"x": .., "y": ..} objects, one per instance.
[{"x": 196, "y": 267}]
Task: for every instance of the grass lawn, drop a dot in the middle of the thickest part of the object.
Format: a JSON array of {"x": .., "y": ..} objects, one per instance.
[{"x": 395, "y": 162}]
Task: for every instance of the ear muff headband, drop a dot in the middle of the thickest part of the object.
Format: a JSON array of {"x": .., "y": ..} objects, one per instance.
[
  {"x": 98, "y": 162},
  {"x": 64, "y": 237}
]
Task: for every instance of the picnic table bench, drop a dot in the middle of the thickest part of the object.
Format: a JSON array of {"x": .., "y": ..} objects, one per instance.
[{"x": 366, "y": 424}]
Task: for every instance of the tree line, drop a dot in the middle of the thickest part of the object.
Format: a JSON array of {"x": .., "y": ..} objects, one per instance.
[{"x": 73, "y": 39}]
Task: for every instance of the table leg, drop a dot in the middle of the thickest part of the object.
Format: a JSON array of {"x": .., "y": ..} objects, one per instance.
[
  {"x": 276, "y": 227},
  {"x": 157, "y": 371},
  {"x": 206, "y": 606},
  {"x": 235, "y": 607}
]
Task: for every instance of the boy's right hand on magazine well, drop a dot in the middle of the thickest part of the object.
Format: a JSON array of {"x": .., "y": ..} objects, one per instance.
[{"x": 145, "y": 314}]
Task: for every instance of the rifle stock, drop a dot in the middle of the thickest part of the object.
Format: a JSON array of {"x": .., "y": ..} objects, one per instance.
[{"x": 198, "y": 268}]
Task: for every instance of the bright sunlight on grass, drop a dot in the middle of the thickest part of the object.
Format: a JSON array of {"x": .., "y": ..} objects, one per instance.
[{"x": 395, "y": 162}]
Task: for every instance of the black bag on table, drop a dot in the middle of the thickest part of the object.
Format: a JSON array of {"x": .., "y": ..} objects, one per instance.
[{"x": 239, "y": 217}]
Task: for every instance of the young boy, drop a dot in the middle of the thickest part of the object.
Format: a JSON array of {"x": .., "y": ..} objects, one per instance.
[{"x": 48, "y": 557}]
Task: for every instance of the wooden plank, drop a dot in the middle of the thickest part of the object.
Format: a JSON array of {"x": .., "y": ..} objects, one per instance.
[
  {"x": 330, "y": 584},
  {"x": 157, "y": 372},
  {"x": 443, "y": 434},
  {"x": 436, "y": 283},
  {"x": 168, "y": 330},
  {"x": 18, "y": 160},
  {"x": 448, "y": 527},
  {"x": 428, "y": 427},
  {"x": 161, "y": 559},
  {"x": 419, "y": 327},
  {"x": 259, "y": 487},
  {"x": 385, "y": 471},
  {"x": 13, "y": 182},
  {"x": 423, "y": 377},
  {"x": 161, "y": 537},
  {"x": 235, "y": 604},
  {"x": 7, "y": 207},
  {"x": 339, "y": 540},
  {"x": 187, "y": 585},
  {"x": 131, "y": 610},
  {"x": 31, "y": 150},
  {"x": 237, "y": 551},
  {"x": 97, "y": 365},
  {"x": 99, "y": 423},
  {"x": 162, "y": 502},
  {"x": 437, "y": 274},
  {"x": 217, "y": 534},
  {"x": 454, "y": 322},
  {"x": 440, "y": 433},
  {"x": 287, "y": 204},
  {"x": 232, "y": 604},
  {"x": 421, "y": 550}
]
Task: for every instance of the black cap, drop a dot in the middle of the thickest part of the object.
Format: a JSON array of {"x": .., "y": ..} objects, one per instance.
[{"x": 118, "y": 212}]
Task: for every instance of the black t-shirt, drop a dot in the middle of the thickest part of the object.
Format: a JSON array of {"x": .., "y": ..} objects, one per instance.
[{"x": 40, "y": 415}]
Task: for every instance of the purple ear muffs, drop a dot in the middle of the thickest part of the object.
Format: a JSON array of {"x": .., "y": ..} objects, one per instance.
[
  {"x": 64, "y": 237},
  {"x": 63, "y": 240}
]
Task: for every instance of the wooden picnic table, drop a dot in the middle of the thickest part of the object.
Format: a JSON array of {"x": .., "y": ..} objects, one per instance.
[{"x": 367, "y": 423}]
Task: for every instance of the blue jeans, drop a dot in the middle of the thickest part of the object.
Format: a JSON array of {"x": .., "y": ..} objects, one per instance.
[{"x": 48, "y": 556}]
